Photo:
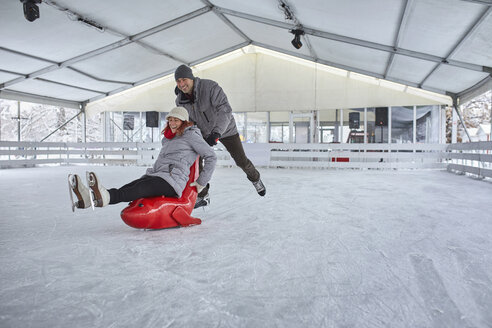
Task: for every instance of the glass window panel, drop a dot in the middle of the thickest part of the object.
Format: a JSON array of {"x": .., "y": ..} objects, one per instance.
[
  {"x": 401, "y": 124},
  {"x": 38, "y": 121},
  {"x": 279, "y": 132},
  {"x": 428, "y": 124},
  {"x": 8, "y": 121},
  {"x": 371, "y": 125},
  {"x": 240, "y": 119},
  {"x": 256, "y": 127}
]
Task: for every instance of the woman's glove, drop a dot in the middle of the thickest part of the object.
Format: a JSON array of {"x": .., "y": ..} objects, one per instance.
[
  {"x": 212, "y": 138},
  {"x": 198, "y": 187}
]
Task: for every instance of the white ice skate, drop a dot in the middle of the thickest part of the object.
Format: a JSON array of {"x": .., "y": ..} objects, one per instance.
[
  {"x": 83, "y": 194},
  {"x": 100, "y": 196}
]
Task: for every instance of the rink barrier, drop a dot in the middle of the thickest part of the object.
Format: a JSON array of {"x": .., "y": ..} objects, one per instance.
[
  {"x": 358, "y": 156},
  {"x": 472, "y": 158},
  {"x": 275, "y": 155}
]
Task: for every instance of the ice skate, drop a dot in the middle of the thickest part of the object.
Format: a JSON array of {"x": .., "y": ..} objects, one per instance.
[
  {"x": 82, "y": 193},
  {"x": 202, "y": 201},
  {"x": 100, "y": 196},
  {"x": 260, "y": 187}
]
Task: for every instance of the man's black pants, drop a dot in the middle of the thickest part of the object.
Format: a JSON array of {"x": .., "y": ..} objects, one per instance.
[{"x": 235, "y": 148}]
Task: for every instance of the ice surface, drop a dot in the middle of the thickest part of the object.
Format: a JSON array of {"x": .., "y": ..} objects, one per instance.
[{"x": 324, "y": 248}]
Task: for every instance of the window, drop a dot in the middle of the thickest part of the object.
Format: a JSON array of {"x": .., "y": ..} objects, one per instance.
[{"x": 401, "y": 124}]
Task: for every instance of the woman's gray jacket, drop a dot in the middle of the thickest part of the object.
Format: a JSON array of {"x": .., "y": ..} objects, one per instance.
[
  {"x": 178, "y": 154},
  {"x": 210, "y": 109}
]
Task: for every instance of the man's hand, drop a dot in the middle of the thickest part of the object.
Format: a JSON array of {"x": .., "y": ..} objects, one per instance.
[
  {"x": 212, "y": 138},
  {"x": 198, "y": 187}
]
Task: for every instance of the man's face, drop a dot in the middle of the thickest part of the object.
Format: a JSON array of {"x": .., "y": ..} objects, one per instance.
[{"x": 185, "y": 85}]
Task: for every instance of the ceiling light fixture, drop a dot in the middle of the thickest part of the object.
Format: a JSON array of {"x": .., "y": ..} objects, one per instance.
[
  {"x": 31, "y": 10},
  {"x": 287, "y": 12},
  {"x": 90, "y": 23},
  {"x": 296, "y": 42}
]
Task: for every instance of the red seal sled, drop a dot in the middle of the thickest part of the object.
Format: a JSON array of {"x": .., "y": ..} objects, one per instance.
[{"x": 164, "y": 212}]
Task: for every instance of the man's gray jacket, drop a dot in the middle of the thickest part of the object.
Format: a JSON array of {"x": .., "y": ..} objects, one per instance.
[
  {"x": 210, "y": 109},
  {"x": 178, "y": 154}
]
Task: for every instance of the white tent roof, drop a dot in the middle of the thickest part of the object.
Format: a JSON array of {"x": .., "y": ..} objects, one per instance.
[
  {"x": 259, "y": 80},
  {"x": 79, "y": 52}
]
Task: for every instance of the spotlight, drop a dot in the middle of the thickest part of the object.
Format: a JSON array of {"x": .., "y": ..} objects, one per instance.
[
  {"x": 31, "y": 10},
  {"x": 296, "y": 42}
]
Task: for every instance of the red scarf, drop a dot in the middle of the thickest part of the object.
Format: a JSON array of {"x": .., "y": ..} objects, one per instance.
[{"x": 168, "y": 133}]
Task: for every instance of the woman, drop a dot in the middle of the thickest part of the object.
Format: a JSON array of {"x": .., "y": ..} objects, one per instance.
[{"x": 181, "y": 144}]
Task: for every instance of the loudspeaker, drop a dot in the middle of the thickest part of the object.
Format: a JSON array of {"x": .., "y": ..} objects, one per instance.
[
  {"x": 128, "y": 121},
  {"x": 354, "y": 120},
  {"x": 152, "y": 119},
  {"x": 381, "y": 116}
]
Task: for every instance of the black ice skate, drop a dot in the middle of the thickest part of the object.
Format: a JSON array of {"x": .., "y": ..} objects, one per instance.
[
  {"x": 75, "y": 186},
  {"x": 202, "y": 201},
  {"x": 260, "y": 187}
]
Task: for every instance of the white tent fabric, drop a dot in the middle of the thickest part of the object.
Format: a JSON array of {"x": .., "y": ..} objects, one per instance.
[
  {"x": 79, "y": 52},
  {"x": 258, "y": 80}
]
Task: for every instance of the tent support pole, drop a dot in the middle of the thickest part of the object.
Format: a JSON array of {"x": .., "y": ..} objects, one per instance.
[
  {"x": 61, "y": 126},
  {"x": 455, "y": 106}
]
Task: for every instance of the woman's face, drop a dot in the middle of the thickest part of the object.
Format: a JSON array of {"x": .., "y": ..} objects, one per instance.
[{"x": 174, "y": 123}]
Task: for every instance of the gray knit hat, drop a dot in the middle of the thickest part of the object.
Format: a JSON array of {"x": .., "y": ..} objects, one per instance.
[
  {"x": 179, "y": 112},
  {"x": 183, "y": 71}
]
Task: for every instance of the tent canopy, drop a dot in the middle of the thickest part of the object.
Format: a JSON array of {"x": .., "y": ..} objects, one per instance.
[
  {"x": 258, "y": 80},
  {"x": 80, "y": 52}
]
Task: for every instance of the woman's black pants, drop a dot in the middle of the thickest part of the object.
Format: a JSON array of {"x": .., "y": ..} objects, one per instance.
[{"x": 146, "y": 186}]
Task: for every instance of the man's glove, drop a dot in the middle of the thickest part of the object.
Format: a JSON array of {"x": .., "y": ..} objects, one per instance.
[
  {"x": 212, "y": 138},
  {"x": 198, "y": 187}
]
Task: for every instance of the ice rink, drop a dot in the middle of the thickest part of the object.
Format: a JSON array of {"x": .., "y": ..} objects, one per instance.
[{"x": 323, "y": 248}]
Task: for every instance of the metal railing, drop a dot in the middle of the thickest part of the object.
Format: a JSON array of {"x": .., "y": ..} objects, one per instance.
[
  {"x": 28, "y": 154},
  {"x": 353, "y": 156},
  {"x": 359, "y": 156},
  {"x": 473, "y": 158}
]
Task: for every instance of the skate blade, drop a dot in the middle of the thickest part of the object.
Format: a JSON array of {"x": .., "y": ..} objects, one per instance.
[
  {"x": 70, "y": 190},
  {"x": 202, "y": 203}
]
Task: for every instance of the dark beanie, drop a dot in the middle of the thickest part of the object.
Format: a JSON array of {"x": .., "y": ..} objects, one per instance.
[{"x": 183, "y": 71}]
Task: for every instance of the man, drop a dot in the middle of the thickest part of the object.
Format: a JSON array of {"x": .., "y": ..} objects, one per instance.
[{"x": 209, "y": 109}]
